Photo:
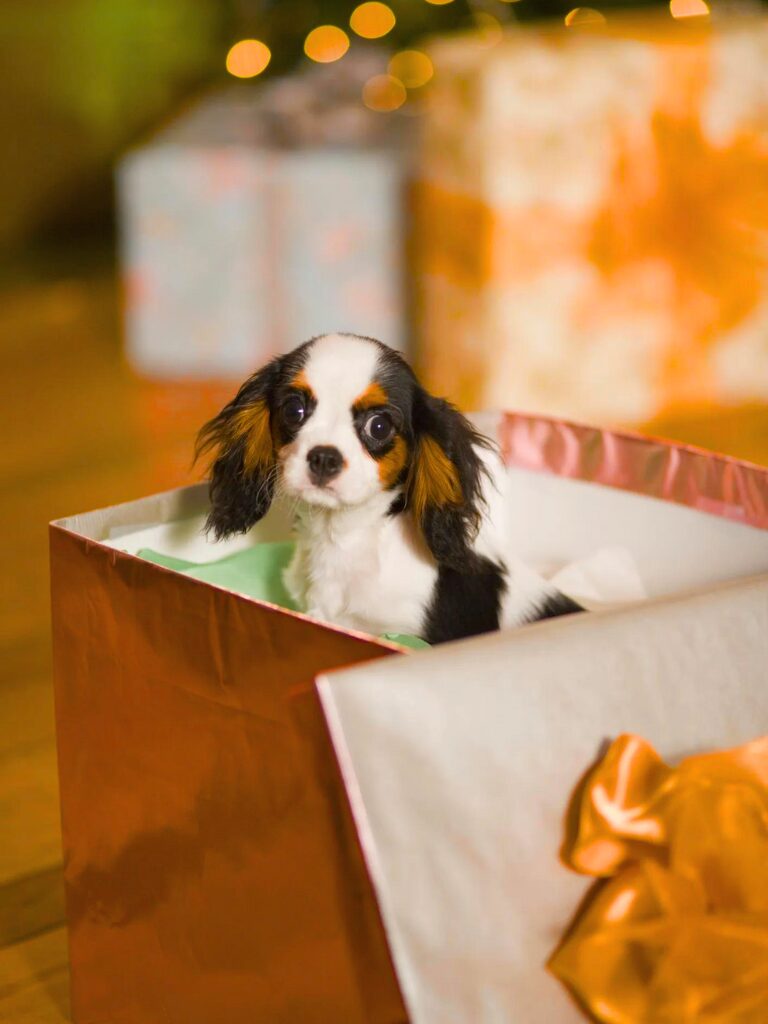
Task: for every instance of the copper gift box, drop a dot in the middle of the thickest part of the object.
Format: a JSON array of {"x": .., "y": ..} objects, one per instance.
[{"x": 213, "y": 868}]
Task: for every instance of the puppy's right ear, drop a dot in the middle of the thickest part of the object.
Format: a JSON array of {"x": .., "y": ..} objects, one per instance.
[{"x": 244, "y": 466}]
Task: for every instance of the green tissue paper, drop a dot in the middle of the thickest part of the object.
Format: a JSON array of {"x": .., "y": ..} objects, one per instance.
[{"x": 256, "y": 572}]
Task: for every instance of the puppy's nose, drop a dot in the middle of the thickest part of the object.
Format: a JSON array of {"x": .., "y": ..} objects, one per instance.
[{"x": 325, "y": 462}]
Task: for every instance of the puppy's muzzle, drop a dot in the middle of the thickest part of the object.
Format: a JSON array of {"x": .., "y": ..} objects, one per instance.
[{"x": 325, "y": 463}]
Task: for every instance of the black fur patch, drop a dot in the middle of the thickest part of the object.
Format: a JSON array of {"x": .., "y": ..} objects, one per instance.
[
  {"x": 553, "y": 606},
  {"x": 397, "y": 506},
  {"x": 465, "y": 602}
]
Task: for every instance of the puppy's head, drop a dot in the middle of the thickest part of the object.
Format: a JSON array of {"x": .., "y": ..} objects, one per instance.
[{"x": 337, "y": 423}]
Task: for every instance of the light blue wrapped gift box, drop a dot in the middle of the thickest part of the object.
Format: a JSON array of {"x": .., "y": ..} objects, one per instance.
[{"x": 235, "y": 249}]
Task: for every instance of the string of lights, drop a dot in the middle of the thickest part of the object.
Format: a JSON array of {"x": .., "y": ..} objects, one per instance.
[{"x": 396, "y": 23}]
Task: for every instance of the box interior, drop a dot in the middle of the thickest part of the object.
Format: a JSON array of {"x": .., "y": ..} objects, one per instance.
[{"x": 554, "y": 521}]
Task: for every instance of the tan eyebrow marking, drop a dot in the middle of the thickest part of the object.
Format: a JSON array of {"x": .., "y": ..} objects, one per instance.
[
  {"x": 301, "y": 383},
  {"x": 373, "y": 396}
]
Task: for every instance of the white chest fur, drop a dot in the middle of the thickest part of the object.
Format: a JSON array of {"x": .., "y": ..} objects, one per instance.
[{"x": 361, "y": 569}]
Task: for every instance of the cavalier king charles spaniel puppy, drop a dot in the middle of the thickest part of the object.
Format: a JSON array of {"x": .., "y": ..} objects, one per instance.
[{"x": 400, "y": 504}]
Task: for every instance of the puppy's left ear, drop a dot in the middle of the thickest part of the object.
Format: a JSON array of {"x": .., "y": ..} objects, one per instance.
[
  {"x": 244, "y": 462},
  {"x": 444, "y": 486}
]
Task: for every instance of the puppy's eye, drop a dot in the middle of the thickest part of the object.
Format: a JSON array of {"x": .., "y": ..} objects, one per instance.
[
  {"x": 379, "y": 427},
  {"x": 293, "y": 411}
]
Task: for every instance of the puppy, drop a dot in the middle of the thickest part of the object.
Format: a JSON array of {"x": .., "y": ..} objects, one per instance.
[{"x": 400, "y": 505}]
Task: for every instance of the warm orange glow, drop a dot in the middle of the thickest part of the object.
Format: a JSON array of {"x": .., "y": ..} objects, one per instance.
[
  {"x": 489, "y": 29},
  {"x": 682, "y": 199},
  {"x": 584, "y": 16},
  {"x": 412, "y": 67},
  {"x": 372, "y": 20},
  {"x": 688, "y": 8},
  {"x": 705, "y": 863},
  {"x": 439, "y": 3},
  {"x": 384, "y": 93},
  {"x": 248, "y": 58},
  {"x": 326, "y": 43}
]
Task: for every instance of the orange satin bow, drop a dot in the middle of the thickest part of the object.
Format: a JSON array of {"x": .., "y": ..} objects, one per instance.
[{"x": 678, "y": 931}]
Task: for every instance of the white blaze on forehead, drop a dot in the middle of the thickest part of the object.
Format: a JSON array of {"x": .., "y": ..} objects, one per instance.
[{"x": 339, "y": 369}]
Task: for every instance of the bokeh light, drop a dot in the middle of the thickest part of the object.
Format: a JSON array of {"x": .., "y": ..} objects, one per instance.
[
  {"x": 412, "y": 67},
  {"x": 688, "y": 8},
  {"x": 248, "y": 58},
  {"x": 372, "y": 20},
  {"x": 326, "y": 43},
  {"x": 584, "y": 16},
  {"x": 439, "y": 3},
  {"x": 489, "y": 29},
  {"x": 384, "y": 93}
]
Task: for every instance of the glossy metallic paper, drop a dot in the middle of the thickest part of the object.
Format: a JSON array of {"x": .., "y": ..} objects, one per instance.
[{"x": 213, "y": 869}]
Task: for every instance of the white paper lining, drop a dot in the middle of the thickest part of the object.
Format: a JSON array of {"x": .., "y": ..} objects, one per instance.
[
  {"x": 460, "y": 764},
  {"x": 555, "y": 522}
]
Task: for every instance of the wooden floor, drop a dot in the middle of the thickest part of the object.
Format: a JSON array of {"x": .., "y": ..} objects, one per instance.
[{"x": 79, "y": 432}]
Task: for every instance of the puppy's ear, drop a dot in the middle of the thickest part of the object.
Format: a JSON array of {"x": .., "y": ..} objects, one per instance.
[
  {"x": 444, "y": 486},
  {"x": 244, "y": 462}
]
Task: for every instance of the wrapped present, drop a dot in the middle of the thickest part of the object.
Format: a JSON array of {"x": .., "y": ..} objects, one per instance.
[
  {"x": 592, "y": 215},
  {"x": 260, "y": 218},
  {"x": 266, "y": 817}
]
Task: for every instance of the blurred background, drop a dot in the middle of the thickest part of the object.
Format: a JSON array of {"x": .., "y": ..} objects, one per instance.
[{"x": 557, "y": 209}]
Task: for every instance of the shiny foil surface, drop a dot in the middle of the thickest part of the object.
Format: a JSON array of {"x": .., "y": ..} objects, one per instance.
[
  {"x": 683, "y": 474},
  {"x": 212, "y": 871}
]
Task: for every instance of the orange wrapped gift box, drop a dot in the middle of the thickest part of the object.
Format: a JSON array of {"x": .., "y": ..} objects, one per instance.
[
  {"x": 267, "y": 818},
  {"x": 591, "y": 216}
]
